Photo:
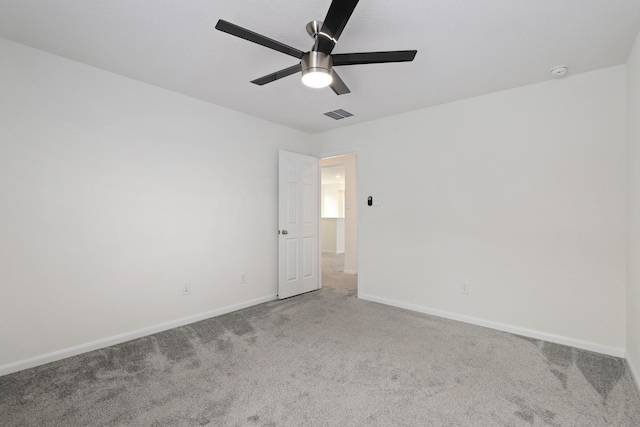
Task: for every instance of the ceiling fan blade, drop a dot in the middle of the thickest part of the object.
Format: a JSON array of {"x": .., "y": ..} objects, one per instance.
[
  {"x": 373, "y": 57},
  {"x": 277, "y": 75},
  {"x": 338, "y": 85},
  {"x": 337, "y": 17},
  {"x": 243, "y": 33}
]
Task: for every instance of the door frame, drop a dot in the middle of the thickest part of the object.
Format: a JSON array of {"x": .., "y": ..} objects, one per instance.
[{"x": 325, "y": 155}]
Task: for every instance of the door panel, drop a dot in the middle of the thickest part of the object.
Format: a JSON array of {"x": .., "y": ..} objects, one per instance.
[
  {"x": 307, "y": 257},
  {"x": 292, "y": 259},
  {"x": 292, "y": 203},
  {"x": 298, "y": 224}
]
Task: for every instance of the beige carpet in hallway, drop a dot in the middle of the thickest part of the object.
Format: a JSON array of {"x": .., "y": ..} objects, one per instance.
[{"x": 334, "y": 277}]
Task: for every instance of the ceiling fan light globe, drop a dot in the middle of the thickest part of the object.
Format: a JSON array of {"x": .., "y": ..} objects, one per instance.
[{"x": 317, "y": 78}]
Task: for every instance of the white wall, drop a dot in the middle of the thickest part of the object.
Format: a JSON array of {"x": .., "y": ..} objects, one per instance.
[
  {"x": 633, "y": 212},
  {"x": 332, "y": 235},
  {"x": 332, "y": 201},
  {"x": 520, "y": 194},
  {"x": 113, "y": 194}
]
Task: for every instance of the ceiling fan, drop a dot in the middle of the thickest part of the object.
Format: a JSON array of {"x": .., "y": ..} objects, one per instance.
[{"x": 317, "y": 64}]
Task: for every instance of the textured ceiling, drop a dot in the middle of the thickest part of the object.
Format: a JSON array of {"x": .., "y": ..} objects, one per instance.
[{"x": 465, "y": 48}]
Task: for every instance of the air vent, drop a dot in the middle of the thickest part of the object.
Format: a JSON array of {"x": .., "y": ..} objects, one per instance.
[{"x": 338, "y": 114}]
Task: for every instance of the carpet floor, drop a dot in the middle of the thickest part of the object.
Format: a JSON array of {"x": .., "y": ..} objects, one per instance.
[{"x": 326, "y": 359}]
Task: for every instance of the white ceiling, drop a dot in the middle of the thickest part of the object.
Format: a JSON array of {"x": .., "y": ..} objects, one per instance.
[{"x": 465, "y": 48}]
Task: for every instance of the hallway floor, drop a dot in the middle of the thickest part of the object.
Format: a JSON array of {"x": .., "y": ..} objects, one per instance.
[{"x": 333, "y": 276}]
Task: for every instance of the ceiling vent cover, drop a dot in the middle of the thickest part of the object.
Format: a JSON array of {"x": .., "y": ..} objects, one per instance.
[{"x": 338, "y": 114}]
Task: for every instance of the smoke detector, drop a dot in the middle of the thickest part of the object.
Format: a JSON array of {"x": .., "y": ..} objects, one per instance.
[{"x": 559, "y": 71}]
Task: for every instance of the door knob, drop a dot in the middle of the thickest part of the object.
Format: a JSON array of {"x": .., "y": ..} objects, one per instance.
[{"x": 285, "y": 232}]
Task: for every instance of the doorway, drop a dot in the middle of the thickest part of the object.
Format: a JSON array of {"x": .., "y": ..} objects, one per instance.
[{"x": 339, "y": 223}]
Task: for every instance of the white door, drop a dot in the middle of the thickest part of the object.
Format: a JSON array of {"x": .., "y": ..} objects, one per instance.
[{"x": 299, "y": 225}]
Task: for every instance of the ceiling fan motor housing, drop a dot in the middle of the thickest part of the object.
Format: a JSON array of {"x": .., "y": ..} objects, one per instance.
[{"x": 313, "y": 62}]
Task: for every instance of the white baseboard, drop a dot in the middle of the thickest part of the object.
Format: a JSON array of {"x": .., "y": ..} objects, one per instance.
[
  {"x": 584, "y": 345},
  {"x": 634, "y": 372},
  {"x": 128, "y": 336}
]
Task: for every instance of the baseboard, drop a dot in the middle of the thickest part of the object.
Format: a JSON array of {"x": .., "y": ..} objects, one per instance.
[
  {"x": 634, "y": 372},
  {"x": 118, "y": 339},
  {"x": 584, "y": 345}
]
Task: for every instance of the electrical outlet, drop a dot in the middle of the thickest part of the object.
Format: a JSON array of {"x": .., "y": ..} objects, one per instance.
[
  {"x": 243, "y": 277},
  {"x": 186, "y": 289},
  {"x": 465, "y": 288}
]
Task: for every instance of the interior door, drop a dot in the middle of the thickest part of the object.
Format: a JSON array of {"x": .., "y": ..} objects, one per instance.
[{"x": 299, "y": 225}]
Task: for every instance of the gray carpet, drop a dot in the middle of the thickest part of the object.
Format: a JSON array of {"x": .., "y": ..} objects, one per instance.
[{"x": 325, "y": 359}]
